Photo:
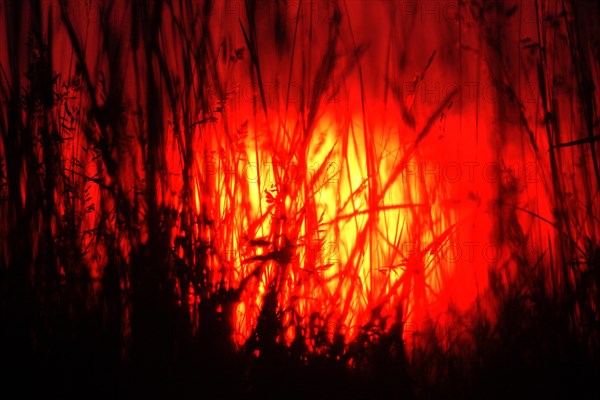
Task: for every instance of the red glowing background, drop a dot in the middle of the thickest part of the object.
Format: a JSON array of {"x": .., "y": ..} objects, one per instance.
[{"x": 345, "y": 168}]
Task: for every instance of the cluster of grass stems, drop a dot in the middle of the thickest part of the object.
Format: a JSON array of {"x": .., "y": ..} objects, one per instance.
[{"x": 127, "y": 245}]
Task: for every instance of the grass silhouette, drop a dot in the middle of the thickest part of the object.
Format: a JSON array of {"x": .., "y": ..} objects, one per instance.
[{"x": 311, "y": 199}]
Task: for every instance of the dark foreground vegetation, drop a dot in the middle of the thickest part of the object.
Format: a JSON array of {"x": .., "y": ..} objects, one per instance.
[{"x": 125, "y": 254}]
